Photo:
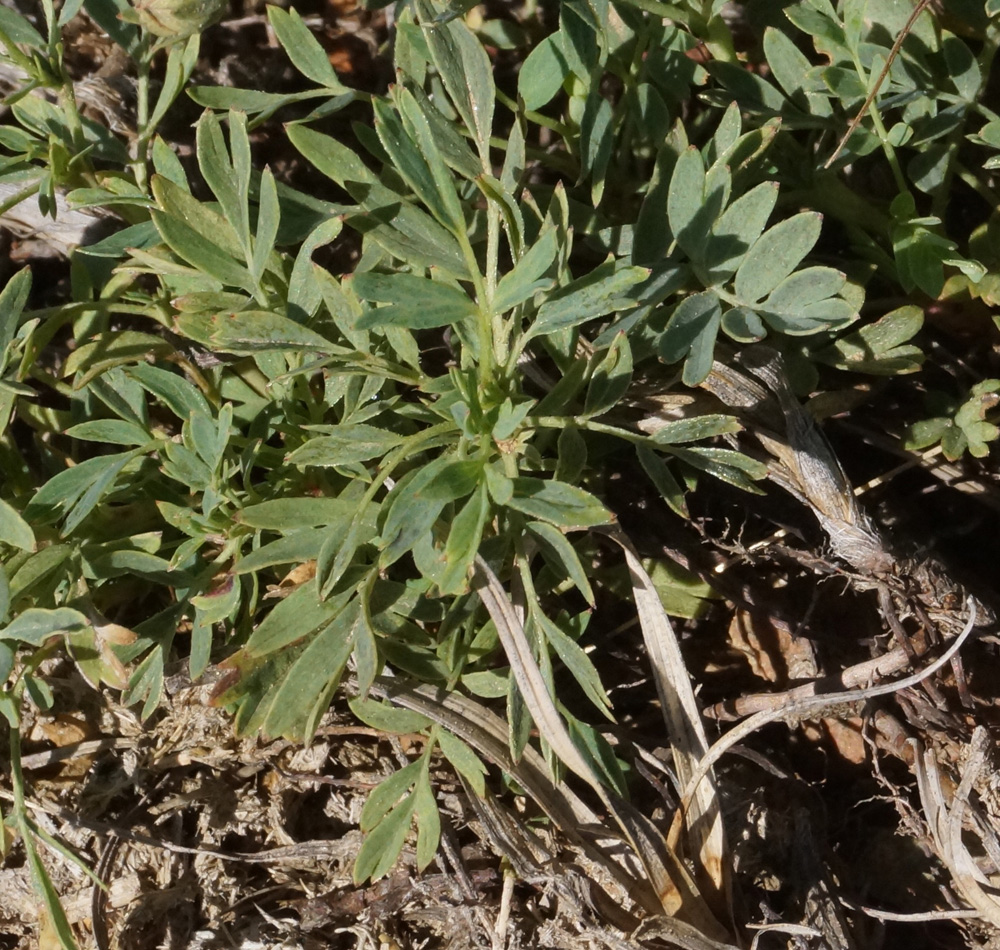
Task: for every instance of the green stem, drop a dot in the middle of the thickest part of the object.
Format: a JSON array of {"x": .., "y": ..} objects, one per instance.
[
  {"x": 13, "y": 698},
  {"x": 411, "y": 445},
  {"x": 984, "y": 191},
  {"x": 582, "y": 422},
  {"x": 881, "y": 131},
  {"x": 943, "y": 194},
  {"x": 14, "y": 200},
  {"x": 139, "y": 146},
  {"x": 70, "y": 310},
  {"x": 536, "y": 117}
]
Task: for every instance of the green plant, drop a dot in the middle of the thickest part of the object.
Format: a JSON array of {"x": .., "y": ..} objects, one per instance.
[{"x": 233, "y": 410}]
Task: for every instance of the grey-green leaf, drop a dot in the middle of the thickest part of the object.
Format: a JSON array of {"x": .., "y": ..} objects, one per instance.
[
  {"x": 382, "y": 845},
  {"x": 686, "y": 199},
  {"x": 526, "y": 278},
  {"x": 12, "y": 300},
  {"x": 740, "y": 225},
  {"x": 467, "y": 73},
  {"x": 289, "y": 514},
  {"x": 695, "y": 429},
  {"x": 465, "y": 761},
  {"x": 775, "y": 254},
  {"x": 346, "y": 444},
  {"x": 416, "y": 302},
  {"x": 690, "y": 335},
  {"x": 401, "y": 228},
  {"x": 543, "y": 72},
  {"x": 303, "y": 48},
  {"x": 599, "y": 292},
  {"x": 35, "y": 626},
  {"x": 558, "y": 503},
  {"x": 14, "y": 530}
]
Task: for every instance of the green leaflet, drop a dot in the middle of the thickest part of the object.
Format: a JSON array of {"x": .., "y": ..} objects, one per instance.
[
  {"x": 775, "y": 254},
  {"x": 527, "y": 277},
  {"x": 405, "y": 231},
  {"x": 344, "y": 444},
  {"x": 303, "y": 48},
  {"x": 466, "y": 71},
  {"x": 599, "y": 292},
  {"x": 416, "y": 302},
  {"x": 418, "y": 500},
  {"x": 611, "y": 378},
  {"x": 14, "y": 530},
  {"x": 199, "y": 235},
  {"x": 35, "y": 626},
  {"x": 738, "y": 229},
  {"x": 543, "y": 72},
  {"x": 250, "y": 331},
  {"x": 289, "y": 514},
  {"x": 562, "y": 552},
  {"x": 881, "y": 348},
  {"x": 690, "y": 335},
  {"x": 558, "y": 503},
  {"x": 307, "y": 688}
]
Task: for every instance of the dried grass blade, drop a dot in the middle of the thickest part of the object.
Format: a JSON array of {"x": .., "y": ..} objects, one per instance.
[
  {"x": 946, "y": 823},
  {"x": 804, "y": 464},
  {"x": 809, "y": 706},
  {"x": 682, "y": 718},
  {"x": 679, "y": 895},
  {"x": 526, "y": 673},
  {"x": 487, "y": 734}
]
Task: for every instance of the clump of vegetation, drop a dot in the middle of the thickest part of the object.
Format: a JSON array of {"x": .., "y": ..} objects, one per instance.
[{"x": 407, "y": 469}]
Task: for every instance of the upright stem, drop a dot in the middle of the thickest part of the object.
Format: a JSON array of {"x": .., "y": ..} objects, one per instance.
[
  {"x": 139, "y": 146},
  {"x": 497, "y": 325}
]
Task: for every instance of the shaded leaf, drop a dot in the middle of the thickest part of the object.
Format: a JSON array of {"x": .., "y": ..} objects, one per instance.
[
  {"x": 611, "y": 378},
  {"x": 389, "y": 791},
  {"x": 250, "y": 331},
  {"x": 543, "y": 72},
  {"x": 307, "y": 687},
  {"x": 404, "y": 231},
  {"x": 464, "y": 760},
  {"x": 289, "y": 514},
  {"x": 387, "y": 718},
  {"x": 881, "y": 347},
  {"x": 428, "y": 821},
  {"x": 690, "y": 336},
  {"x": 383, "y": 844},
  {"x": 416, "y": 503},
  {"x": 576, "y": 662},
  {"x": 293, "y": 618},
  {"x": 737, "y": 229},
  {"x": 112, "y": 431},
  {"x": 664, "y": 480},
  {"x": 466, "y": 71},
  {"x": 564, "y": 554},
  {"x": 526, "y": 278}
]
